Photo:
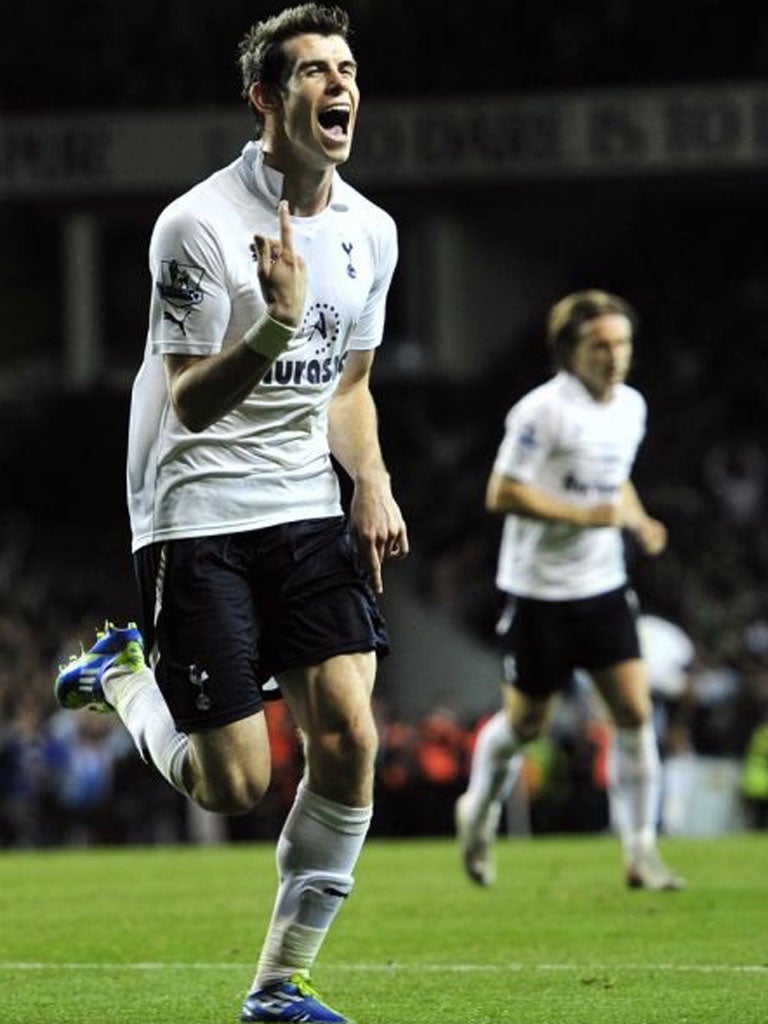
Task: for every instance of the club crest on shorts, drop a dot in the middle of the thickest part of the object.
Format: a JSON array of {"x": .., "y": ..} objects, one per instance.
[{"x": 199, "y": 677}]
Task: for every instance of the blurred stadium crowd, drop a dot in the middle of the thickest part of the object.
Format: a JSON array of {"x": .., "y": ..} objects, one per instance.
[{"x": 701, "y": 363}]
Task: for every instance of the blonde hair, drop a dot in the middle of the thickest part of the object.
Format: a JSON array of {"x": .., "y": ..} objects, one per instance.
[{"x": 566, "y": 317}]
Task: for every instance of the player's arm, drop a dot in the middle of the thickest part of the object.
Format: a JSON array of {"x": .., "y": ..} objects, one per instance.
[
  {"x": 354, "y": 441},
  {"x": 205, "y": 388},
  {"x": 649, "y": 533},
  {"x": 506, "y": 495}
]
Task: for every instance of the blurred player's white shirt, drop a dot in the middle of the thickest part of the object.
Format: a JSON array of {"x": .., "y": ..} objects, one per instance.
[
  {"x": 562, "y": 442},
  {"x": 668, "y": 653},
  {"x": 268, "y": 460}
]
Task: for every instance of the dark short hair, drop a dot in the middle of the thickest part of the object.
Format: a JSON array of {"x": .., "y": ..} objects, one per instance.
[
  {"x": 566, "y": 317},
  {"x": 261, "y": 55}
]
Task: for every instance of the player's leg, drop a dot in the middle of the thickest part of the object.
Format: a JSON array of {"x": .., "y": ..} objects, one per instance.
[
  {"x": 497, "y": 760},
  {"x": 321, "y": 613},
  {"x": 534, "y": 669},
  {"x": 197, "y": 715},
  {"x": 224, "y": 769},
  {"x": 635, "y": 773},
  {"x": 326, "y": 827},
  {"x": 113, "y": 676}
]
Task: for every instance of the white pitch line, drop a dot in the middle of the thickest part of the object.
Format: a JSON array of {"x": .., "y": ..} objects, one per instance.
[{"x": 393, "y": 968}]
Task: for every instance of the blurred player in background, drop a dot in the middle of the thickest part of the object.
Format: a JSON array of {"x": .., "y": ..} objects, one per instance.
[
  {"x": 269, "y": 286},
  {"x": 669, "y": 655},
  {"x": 562, "y": 481}
]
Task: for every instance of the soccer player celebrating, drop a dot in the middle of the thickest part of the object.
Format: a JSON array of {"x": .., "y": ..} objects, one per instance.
[
  {"x": 562, "y": 481},
  {"x": 268, "y": 298}
]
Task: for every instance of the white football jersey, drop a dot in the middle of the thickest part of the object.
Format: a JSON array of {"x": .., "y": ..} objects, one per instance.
[
  {"x": 561, "y": 441},
  {"x": 268, "y": 460}
]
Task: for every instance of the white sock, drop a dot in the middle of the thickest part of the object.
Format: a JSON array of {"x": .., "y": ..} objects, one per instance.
[
  {"x": 316, "y": 854},
  {"x": 496, "y": 763},
  {"x": 634, "y": 773},
  {"x": 137, "y": 699}
]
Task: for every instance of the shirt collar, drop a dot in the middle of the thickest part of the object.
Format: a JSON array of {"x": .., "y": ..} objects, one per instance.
[
  {"x": 264, "y": 181},
  {"x": 267, "y": 182},
  {"x": 580, "y": 391}
]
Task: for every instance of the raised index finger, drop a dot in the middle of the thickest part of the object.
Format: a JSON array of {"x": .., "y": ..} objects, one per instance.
[{"x": 286, "y": 230}]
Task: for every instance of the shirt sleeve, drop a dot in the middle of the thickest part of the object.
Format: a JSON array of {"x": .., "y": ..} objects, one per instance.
[
  {"x": 369, "y": 329},
  {"x": 190, "y": 304},
  {"x": 527, "y": 442}
]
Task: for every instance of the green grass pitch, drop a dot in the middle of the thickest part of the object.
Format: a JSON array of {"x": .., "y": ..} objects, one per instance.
[{"x": 169, "y": 935}]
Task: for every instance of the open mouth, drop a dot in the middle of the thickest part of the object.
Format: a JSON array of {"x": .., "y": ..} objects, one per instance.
[{"x": 335, "y": 121}]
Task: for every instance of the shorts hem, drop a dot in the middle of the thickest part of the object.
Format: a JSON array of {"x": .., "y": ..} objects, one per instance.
[
  {"x": 381, "y": 650},
  {"x": 600, "y": 664},
  {"x": 205, "y": 722}
]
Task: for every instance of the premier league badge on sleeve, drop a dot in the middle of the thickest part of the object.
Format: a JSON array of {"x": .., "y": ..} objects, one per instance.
[
  {"x": 179, "y": 287},
  {"x": 527, "y": 441},
  {"x": 527, "y": 436}
]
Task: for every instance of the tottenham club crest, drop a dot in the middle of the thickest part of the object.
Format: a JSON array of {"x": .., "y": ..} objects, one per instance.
[
  {"x": 348, "y": 247},
  {"x": 179, "y": 287},
  {"x": 198, "y": 677}
]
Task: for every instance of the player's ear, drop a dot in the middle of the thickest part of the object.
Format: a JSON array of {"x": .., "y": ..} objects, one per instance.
[{"x": 263, "y": 99}]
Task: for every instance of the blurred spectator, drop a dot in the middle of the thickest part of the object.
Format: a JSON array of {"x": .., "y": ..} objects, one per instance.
[
  {"x": 718, "y": 725},
  {"x": 735, "y": 469},
  {"x": 22, "y": 776},
  {"x": 754, "y": 780},
  {"x": 442, "y": 763}
]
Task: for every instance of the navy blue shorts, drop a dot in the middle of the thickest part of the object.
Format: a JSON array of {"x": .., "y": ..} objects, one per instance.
[
  {"x": 222, "y": 615},
  {"x": 544, "y": 641}
]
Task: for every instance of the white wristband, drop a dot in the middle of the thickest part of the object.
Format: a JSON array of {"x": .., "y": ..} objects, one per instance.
[{"x": 268, "y": 336}]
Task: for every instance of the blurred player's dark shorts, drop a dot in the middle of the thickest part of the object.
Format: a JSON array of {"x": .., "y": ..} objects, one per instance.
[
  {"x": 542, "y": 642},
  {"x": 223, "y": 615}
]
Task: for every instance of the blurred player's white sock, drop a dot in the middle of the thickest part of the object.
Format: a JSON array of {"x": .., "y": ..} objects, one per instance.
[
  {"x": 316, "y": 854},
  {"x": 496, "y": 763},
  {"x": 137, "y": 699},
  {"x": 635, "y": 784}
]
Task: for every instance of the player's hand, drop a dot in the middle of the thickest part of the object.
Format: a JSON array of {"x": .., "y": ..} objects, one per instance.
[
  {"x": 281, "y": 271},
  {"x": 651, "y": 535},
  {"x": 380, "y": 528}
]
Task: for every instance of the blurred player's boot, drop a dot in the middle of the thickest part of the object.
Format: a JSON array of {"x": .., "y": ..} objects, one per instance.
[
  {"x": 78, "y": 684},
  {"x": 476, "y": 839},
  {"x": 293, "y": 1000},
  {"x": 648, "y": 871}
]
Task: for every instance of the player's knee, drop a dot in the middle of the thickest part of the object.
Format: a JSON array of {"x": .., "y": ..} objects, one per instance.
[
  {"x": 235, "y": 794},
  {"x": 352, "y": 746},
  {"x": 631, "y": 717},
  {"x": 358, "y": 744}
]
